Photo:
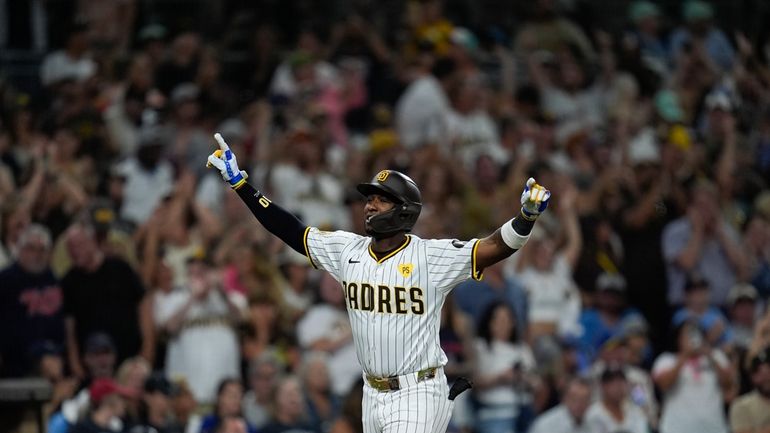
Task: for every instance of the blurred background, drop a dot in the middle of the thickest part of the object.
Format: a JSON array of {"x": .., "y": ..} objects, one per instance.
[{"x": 138, "y": 294}]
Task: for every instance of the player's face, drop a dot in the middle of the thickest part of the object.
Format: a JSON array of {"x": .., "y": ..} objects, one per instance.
[{"x": 375, "y": 205}]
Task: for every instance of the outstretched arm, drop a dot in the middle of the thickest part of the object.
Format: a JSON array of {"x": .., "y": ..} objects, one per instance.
[
  {"x": 513, "y": 234},
  {"x": 274, "y": 218}
]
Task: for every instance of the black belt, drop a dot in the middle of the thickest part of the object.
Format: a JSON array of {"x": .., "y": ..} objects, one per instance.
[{"x": 393, "y": 383}]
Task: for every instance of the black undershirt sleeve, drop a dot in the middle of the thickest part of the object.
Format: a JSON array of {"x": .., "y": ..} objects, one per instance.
[{"x": 274, "y": 218}]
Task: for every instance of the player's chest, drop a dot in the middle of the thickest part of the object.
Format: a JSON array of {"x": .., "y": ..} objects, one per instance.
[
  {"x": 402, "y": 268},
  {"x": 396, "y": 285}
]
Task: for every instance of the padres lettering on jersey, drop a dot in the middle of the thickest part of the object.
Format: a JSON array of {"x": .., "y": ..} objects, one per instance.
[
  {"x": 384, "y": 299},
  {"x": 394, "y": 303}
]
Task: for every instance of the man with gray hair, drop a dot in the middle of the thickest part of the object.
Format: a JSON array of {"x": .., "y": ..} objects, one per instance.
[
  {"x": 264, "y": 374},
  {"x": 570, "y": 415},
  {"x": 30, "y": 303}
]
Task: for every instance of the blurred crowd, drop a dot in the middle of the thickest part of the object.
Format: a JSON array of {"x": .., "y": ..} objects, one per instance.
[{"x": 144, "y": 291}]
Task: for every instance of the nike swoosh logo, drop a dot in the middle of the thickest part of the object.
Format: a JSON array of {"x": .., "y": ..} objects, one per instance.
[{"x": 353, "y": 261}]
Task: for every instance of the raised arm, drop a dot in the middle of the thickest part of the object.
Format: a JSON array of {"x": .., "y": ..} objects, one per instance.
[
  {"x": 515, "y": 233},
  {"x": 274, "y": 218}
]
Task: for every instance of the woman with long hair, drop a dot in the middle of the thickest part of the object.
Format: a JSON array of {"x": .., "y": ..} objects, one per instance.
[
  {"x": 228, "y": 405},
  {"x": 503, "y": 378}
]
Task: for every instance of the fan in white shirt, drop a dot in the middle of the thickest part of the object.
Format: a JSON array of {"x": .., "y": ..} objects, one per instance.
[
  {"x": 570, "y": 415},
  {"x": 326, "y": 328},
  {"x": 692, "y": 381},
  {"x": 502, "y": 371},
  {"x": 614, "y": 412}
]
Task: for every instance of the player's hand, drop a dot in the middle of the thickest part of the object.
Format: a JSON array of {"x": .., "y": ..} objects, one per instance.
[
  {"x": 534, "y": 199},
  {"x": 224, "y": 159}
]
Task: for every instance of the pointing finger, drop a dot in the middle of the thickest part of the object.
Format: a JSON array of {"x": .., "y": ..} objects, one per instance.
[{"x": 221, "y": 141}]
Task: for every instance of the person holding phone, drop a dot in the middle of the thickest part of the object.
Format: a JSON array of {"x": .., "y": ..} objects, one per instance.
[{"x": 692, "y": 379}]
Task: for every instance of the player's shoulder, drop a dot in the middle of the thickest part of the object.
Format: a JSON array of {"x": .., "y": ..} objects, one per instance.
[
  {"x": 334, "y": 235},
  {"x": 448, "y": 244}
]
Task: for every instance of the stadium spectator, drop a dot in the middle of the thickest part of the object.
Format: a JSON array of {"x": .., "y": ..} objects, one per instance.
[
  {"x": 184, "y": 407},
  {"x": 613, "y": 411},
  {"x": 649, "y": 200},
  {"x": 321, "y": 405},
  {"x": 697, "y": 308},
  {"x": 615, "y": 353},
  {"x": 30, "y": 302},
  {"x": 570, "y": 415},
  {"x": 99, "y": 357},
  {"x": 227, "y": 405},
  {"x": 264, "y": 374},
  {"x": 646, "y": 17},
  {"x": 103, "y": 294},
  {"x": 147, "y": 177},
  {"x": 302, "y": 180},
  {"x": 756, "y": 239},
  {"x": 288, "y": 414},
  {"x": 610, "y": 314},
  {"x": 107, "y": 408},
  {"x": 48, "y": 360},
  {"x": 692, "y": 380},
  {"x": 304, "y": 72},
  {"x": 155, "y": 414},
  {"x": 187, "y": 142},
  {"x": 268, "y": 329},
  {"x": 704, "y": 242},
  {"x": 325, "y": 328},
  {"x": 700, "y": 34},
  {"x": 742, "y": 314},
  {"x": 71, "y": 63},
  {"x": 299, "y": 288},
  {"x": 132, "y": 374},
  {"x": 421, "y": 112},
  {"x": 504, "y": 373},
  {"x": 751, "y": 412},
  {"x": 200, "y": 320},
  {"x": 181, "y": 63},
  {"x": 14, "y": 218}
]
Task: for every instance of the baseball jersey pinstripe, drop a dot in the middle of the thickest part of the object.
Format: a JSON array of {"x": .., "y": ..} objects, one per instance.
[{"x": 394, "y": 303}]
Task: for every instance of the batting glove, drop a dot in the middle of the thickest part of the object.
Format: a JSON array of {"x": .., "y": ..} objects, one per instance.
[
  {"x": 534, "y": 200},
  {"x": 224, "y": 159}
]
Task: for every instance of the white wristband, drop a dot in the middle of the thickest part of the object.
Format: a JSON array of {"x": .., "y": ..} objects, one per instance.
[{"x": 511, "y": 238}]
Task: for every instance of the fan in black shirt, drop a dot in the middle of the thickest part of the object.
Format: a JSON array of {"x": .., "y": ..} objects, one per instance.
[{"x": 103, "y": 294}]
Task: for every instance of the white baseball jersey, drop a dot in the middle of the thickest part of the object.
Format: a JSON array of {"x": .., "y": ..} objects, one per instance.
[{"x": 394, "y": 303}]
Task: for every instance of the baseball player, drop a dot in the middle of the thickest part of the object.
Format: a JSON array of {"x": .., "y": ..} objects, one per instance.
[{"x": 394, "y": 285}]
